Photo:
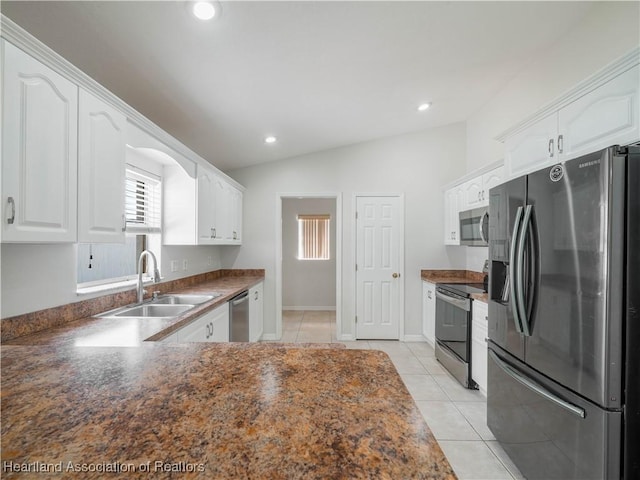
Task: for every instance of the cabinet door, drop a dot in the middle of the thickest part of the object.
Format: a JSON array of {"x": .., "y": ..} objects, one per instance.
[
  {"x": 472, "y": 194},
  {"x": 101, "y": 171},
  {"x": 429, "y": 312},
  {"x": 221, "y": 324},
  {"x": 236, "y": 215},
  {"x": 223, "y": 232},
  {"x": 256, "y": 312},
  {"x": 39, "y": 151},
  {"x": 491, "y": 179},
  {"x": 479, "y": 328},
  {"x": 206, "y": 208},
  {"x": 453, "y": 198},
  {"x": 210, "y": 327},
  {"x": 609, "y": 115},
  {"x": 533, "y": 148}
]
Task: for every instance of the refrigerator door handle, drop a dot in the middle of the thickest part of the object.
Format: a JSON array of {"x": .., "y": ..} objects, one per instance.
[
  {"x": 520, "y": 254},
  {"x": 513, "y": 271},
  {"x": 539, "y": 389}
]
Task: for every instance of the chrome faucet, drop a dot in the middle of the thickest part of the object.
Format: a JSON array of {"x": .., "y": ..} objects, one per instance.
[{"x": 156, "y": 273}]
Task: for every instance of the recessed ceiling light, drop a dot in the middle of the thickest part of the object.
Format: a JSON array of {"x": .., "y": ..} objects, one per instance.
[
  {"x": 424, "y": 106},
  {"x": 206, "y": 10},
  {"x": 270, "y": 139}
]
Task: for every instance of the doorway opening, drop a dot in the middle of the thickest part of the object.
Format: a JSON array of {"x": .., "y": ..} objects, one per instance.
[{"x": 308, "y": 267}]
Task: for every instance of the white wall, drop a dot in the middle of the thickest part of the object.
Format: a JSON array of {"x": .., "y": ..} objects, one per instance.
[
  {"x": 608, "y": 32},
  {"x": 35, "y": 277},
  {"x": 416, "y": 164},
  {"x": 307, "y": 284}
]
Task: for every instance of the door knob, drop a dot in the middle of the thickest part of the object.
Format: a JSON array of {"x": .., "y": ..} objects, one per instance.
[{"x": 395, "y": 275}]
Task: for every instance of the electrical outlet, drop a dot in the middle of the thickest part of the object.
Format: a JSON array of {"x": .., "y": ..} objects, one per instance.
[
  {"x": 174, "y": 265},
  {"x": 184, "y": 265}
]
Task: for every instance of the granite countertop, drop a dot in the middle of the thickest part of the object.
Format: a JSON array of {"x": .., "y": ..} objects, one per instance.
[
  {"x": 211, "y": 411},
  {"x": 97, "y": 397},
  {"x": 451, "y": 276},
  {"x": 127, "y": 332}
]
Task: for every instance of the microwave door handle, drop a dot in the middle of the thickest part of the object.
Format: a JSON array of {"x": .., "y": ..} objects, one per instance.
[
  {"x": 513, "y": 273},
  {"x": 480, "y": 227},
  {"x": 520, "y": 254}
]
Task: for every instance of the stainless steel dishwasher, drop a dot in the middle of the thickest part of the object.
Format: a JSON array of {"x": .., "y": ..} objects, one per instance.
[{"x": 239, "y": 318}]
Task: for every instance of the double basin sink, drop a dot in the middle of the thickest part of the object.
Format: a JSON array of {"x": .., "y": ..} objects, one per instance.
[{"x": 165, "y": 306}]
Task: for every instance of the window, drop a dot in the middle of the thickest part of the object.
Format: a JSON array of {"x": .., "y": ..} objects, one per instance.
[
  {"x": 103, "y": 264},
  {"x": 142, "y": 202},
  {"x": 313, "y": 237}
]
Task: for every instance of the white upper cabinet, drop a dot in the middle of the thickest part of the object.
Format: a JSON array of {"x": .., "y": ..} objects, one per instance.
[
  {"x": 228, "y": 213},
  {"x": 39, "y": 152},
  {"x": 607, "y": 115},
  {"x": 476, "y": 190},
  {"x": 532, "y": 148},
  {"x": 453, "y": 201},
  {"x": 202, "y": 210},
  {"x": 101, "y": 171},
  {"x": 206, "y": 207}
]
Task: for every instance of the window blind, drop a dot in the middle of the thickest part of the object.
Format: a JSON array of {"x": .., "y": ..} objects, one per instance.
[
  {"x": 142, "y": 202},
  {"x": 313, "y": 237}
]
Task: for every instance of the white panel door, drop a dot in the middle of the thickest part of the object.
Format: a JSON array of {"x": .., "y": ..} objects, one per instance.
[
  {"x": 379, "y": 226},
  {"x": 101, "y": 171},
  {"x": 39, "y": 151}
]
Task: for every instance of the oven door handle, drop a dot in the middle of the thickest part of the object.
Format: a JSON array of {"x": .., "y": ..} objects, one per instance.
[{"x": 462, "y": 303}]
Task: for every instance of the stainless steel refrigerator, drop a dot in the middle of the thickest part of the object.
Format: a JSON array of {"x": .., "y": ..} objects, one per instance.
[{"x": 563, "y": 396}]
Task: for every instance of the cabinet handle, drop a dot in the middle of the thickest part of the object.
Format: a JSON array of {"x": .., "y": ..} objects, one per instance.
[
  {"x": 234, "y": 235},
  {"x": 551, "y": 147},
  {"x": 124, "y": 222},
  {"x": 256, "y": 295},
  {"x": 11, "y": 219},
  {"x": 429, "y": 294},
  {"x": 560, "y": 143},
  {"x": 213, "y": 230}
]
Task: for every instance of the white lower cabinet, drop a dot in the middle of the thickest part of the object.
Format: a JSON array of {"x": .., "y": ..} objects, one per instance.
[
  {"x": 210, "y": 327},
  {"x": 256, "y": 312},
  {"x": 479, "y": 333},
  {"x": 429, "y": 312}
]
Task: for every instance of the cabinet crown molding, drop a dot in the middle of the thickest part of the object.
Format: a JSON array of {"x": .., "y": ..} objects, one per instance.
[
  {"x": 26, "y": 42},
  {"x": 599, "y": 78}
]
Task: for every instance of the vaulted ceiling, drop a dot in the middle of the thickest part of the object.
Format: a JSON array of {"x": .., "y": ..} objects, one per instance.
[{"x": 316, "y": 74}]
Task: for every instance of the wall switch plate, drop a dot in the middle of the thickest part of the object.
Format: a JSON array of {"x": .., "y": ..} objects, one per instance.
[
  {"x": 174, "y": 265},
  {"x": 184, "y": 264}
]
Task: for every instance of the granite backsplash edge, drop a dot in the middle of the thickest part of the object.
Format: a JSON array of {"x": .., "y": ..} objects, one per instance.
[{"x": 33, "y": 322}]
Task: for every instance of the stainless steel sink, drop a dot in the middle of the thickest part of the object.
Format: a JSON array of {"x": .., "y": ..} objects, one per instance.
[
  {"x": 153, "y": 310},
  {"x": 165, "y": 306},
  {"x": 177, "y": 299}
]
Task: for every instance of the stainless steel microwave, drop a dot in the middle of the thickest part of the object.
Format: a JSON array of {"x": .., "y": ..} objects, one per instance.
[{"x": 474, "y": 227}]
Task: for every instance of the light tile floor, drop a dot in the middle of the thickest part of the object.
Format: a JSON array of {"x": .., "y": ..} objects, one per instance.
[{"x": 455, "y": 415}]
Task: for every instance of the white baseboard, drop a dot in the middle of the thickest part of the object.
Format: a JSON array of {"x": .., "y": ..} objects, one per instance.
[
  {"x": 269, "y": 336},
  {"x": 414, "y": 338},
  {"x": 332, "y": 309},
  {"x": 347, "y": 337}
]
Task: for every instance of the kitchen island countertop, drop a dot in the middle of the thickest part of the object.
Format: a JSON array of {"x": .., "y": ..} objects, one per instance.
[{"x": 213, "y": 411}]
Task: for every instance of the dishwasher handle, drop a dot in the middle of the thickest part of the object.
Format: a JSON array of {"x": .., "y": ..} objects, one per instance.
[{"x": 241, "y": 298}]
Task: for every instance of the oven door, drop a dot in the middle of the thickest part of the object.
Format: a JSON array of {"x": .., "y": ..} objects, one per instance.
[{"x": 452, "y": 323}]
